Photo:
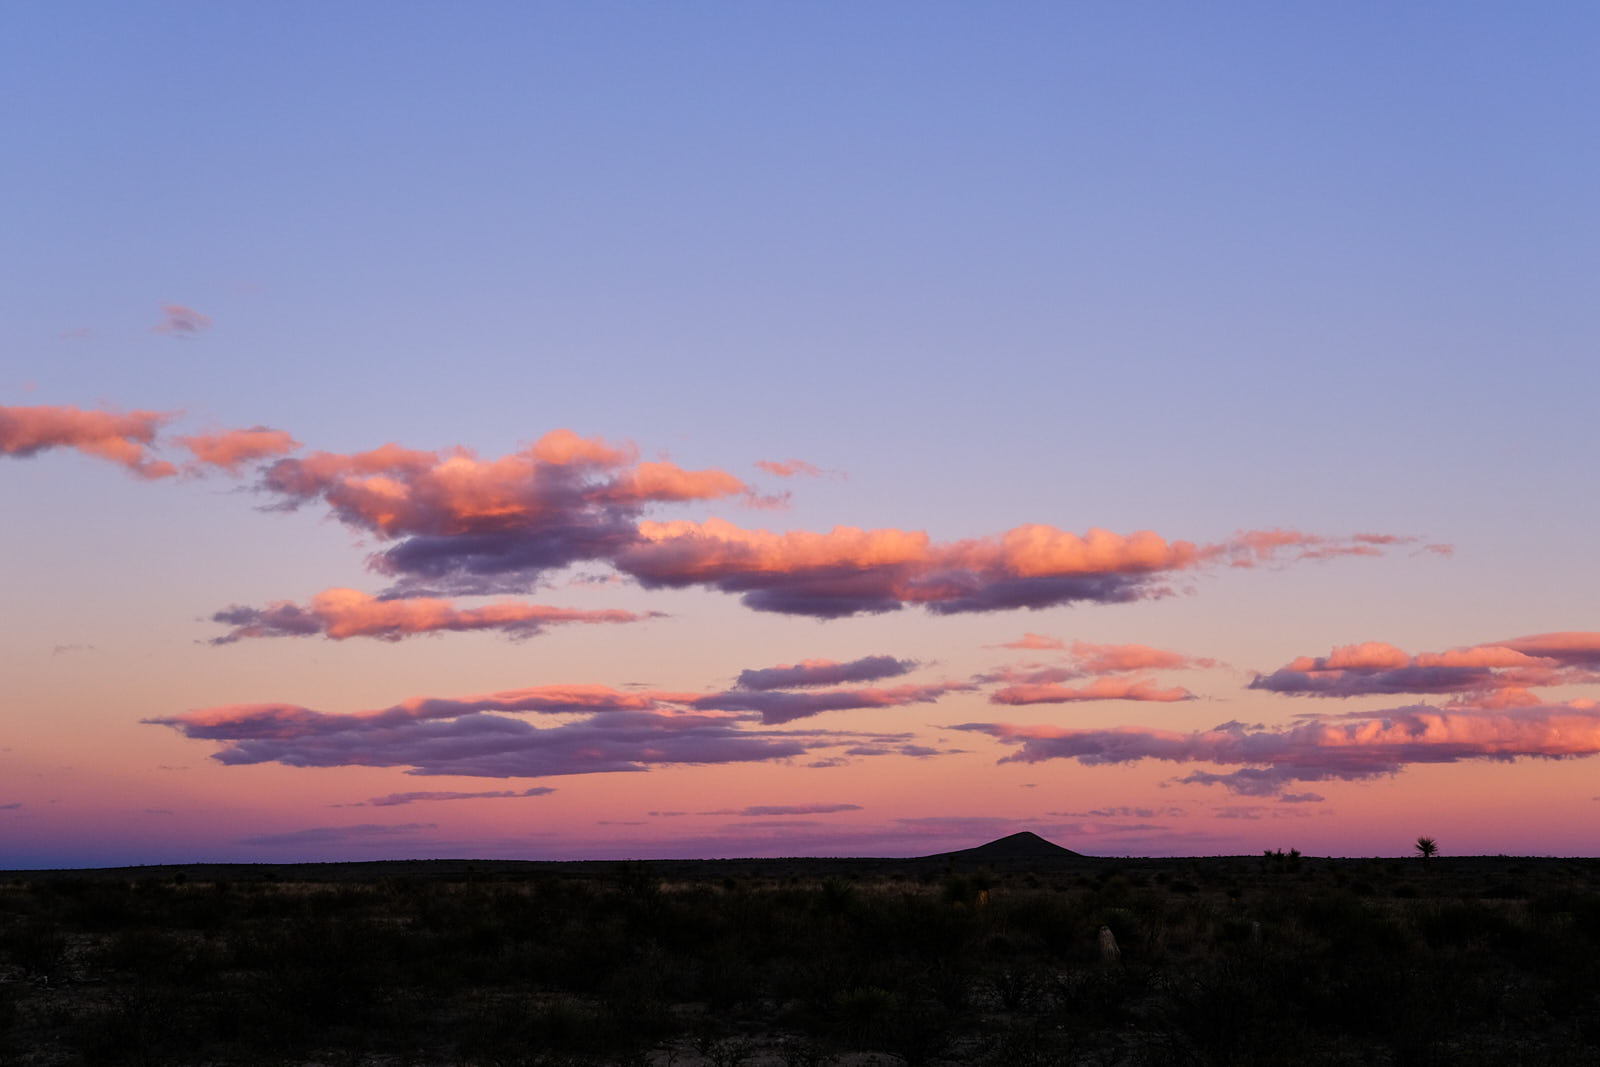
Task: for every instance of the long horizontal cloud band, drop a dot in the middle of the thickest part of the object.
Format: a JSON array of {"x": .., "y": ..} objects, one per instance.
[
  {"x": 605, "y": 729},
  {"x": 464, "y": 525},
  {"x": 781, "y": 707},
  {"x": 483, "y": 744},
  {"x": 1352, "y": 748},
  {"x": 345, "y": 613},
  {"x": 1375, "y": 667}
]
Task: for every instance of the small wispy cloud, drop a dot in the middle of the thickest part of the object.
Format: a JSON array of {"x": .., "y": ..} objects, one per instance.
[
  {"x": 395, "y": 799},
  {"x": 326, "y": 835},
  {"x": 180, "y": 321},
  {"x": 756, "y": 811}
]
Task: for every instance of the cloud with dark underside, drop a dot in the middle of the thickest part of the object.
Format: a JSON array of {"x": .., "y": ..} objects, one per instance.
[
  {"x": 1378, "y": 668},
  {"x": 467, "y": 525},
  {"x": 600, "y": 730},
  {"x": 814, "y": 672},
  {"x": 776, "y": 707},
  {"x": 1345, "y": 748},
  {"x": 1099, "y": 689},
  {"x": 463, "y": 525},
  {"x": 396, "y": 799},
  {"x": 450, "y": 524},
  {"x": 181, "y": 322},
  {"x": 343, "y": 613},
  {"x": 15, "y": 805},
  {"x": 339, "y": 835}
]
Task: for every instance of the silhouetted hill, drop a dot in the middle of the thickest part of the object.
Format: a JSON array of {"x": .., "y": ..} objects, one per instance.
[{"x": 1020, "y": 846}]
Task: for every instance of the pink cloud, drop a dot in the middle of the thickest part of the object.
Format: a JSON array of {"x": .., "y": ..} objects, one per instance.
[
  {"x": 458, "y": 524},
  {"x": 1375, "y": 667},
  {"x": 1572, "y": 648},
  {"x": 123, "y": 439},
  {"x": 1251, "y": 548},
  {"x": 180, "y": 321},
  {"x": 849, "y": 570},
  {"x": 1037, "y": 642},
  {"x": 789, "y": 468},
  {"x": 344, "y": 613},
  {"x": 668, "y": 481},
  {"x": 1099, "y": 689},
  {"x": 1346, "y": 748},
  {"x": 472, "y": 525},
  {"x": 231, "y": 449},
  {"x": 1110, "y": 659}
]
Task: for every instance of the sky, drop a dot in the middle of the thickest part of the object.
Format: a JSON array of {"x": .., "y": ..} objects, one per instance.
[{"x": 560, "y": 431}]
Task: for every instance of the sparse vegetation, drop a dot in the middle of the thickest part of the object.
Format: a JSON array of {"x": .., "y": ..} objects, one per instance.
[
  {"x": 1287, "y": 960},
  {"x": 1428, "y": 847}
]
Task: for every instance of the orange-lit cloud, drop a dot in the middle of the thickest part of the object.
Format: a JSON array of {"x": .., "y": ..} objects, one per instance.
[
  {"x": 1036, "y": 683},
  {"x": 1099, "y": 689},
  {"x": 1250, "y": 548},
  {"x": 1112, "y": 659},
  {"x": 1375, "y": 667},
  {"x": 229, "y": 450},
  {"x": 122, "y": 438},
  {"x": 1344, "y": 748},
  {"x": 1036, "y": 642},
  {"x": 458, "y": 524},
  {"x": 849, "y": 570},
  {"x": 343, "y": 613},
  {"x": 179, "y": 321},
  {"x": 790, "y": 468},
  {"x": 471, "y": 525}
]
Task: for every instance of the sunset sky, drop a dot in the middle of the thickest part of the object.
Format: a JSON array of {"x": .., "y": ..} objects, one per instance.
[{"x": 559, "y": 431}]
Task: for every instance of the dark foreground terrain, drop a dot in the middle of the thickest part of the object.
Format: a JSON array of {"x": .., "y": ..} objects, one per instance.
[{"x": 969, "y": 958}]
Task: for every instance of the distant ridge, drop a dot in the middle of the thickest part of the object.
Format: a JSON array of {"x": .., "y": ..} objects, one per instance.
[{"x": 1019, "y": 846}]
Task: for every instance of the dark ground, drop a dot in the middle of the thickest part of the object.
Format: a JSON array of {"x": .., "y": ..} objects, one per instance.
[{"x": 966, "y": 958}]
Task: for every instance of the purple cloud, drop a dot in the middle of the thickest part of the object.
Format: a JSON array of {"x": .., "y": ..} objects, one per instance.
[
  {"x": 780, "y": 707},
  {"x": 626, "y": 732},
  {"x": 1349, "y": 748},
  {"x": 328, "y": 835},
  {"x": 813, "y": 672},
  {"x": 394, "y": 799}
]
